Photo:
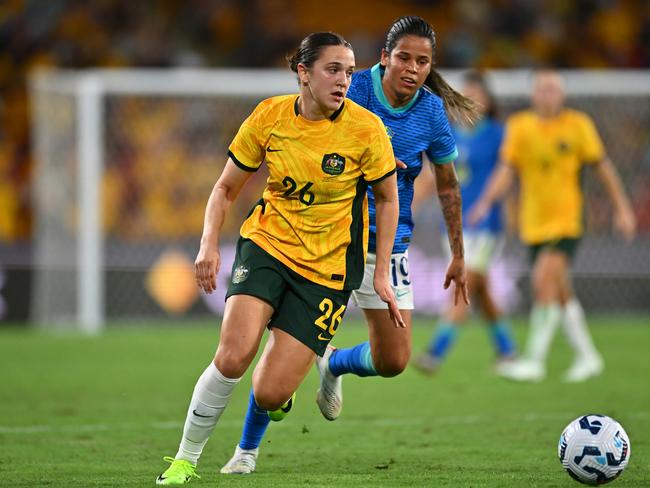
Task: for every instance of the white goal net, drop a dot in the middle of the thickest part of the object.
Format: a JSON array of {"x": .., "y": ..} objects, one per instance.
[{"x": 126, "y": 160}]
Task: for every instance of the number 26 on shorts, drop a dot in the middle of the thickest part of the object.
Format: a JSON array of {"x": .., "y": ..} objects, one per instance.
[{"x": 330, "y": 320}]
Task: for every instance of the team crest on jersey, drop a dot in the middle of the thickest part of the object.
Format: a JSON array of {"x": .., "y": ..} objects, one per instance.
[
  {"x": 333, "y": 164},
  {"x": 240, "y": 274},
  {"x": 389, "y": 132}
]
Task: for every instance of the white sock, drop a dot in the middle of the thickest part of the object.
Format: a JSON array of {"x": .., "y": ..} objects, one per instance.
[
  {"x": 211, "y": 395},
  {"x": 544, "y": 320},
  {"x": 577, "y": 332}
]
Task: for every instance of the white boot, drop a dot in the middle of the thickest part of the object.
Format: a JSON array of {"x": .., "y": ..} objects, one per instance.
[
  {"x": 242, "y": 462},
  {"x": 329, "y": 396},
  {"x": 544, "y": 320},
  {"x": 584, "y": 368},
  {"x": 588, "y": 361},
  {"x": 522, "y": 370}
]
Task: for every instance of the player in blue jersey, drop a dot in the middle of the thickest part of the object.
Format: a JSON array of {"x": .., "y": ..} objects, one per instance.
[
  {"x": 478, "y": 156},
  {"x": 410, "y": 97}
]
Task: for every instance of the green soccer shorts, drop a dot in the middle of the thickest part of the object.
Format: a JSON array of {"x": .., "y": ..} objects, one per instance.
[
  {"x": 310, "y": 312},
  {"x": 566, "y": 245}
]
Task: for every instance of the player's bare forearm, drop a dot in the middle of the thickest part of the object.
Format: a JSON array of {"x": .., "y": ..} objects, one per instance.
[
  {"x": 215, "y": 214},
  {"x": 387, "y": 207},
  {"x": 387, "y": 213},
  {"x": 624, "y": 220},
  {"x": 612, "y": 183},
  {"x": 452, "y": 210},
  {"x": 495, "y": 189},
  {"x": 499, "y": 183},
  {"x": 452, "y": 206},
  {"x": 224, "y": 192},
  {"x": 208, "y": 260}
]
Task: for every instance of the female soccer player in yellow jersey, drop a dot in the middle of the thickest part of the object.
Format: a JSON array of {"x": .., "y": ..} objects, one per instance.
[
  {"x": 410, "y": 97},
  {"x": 302, "y": 248},
  {"x": 547, "y": 147}
]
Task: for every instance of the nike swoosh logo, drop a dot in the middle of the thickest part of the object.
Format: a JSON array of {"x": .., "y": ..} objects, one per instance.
[
  {"x": 400, "y": 294},
  {"x": 321, "y": 338},
  {"x": 288, "y": 406},
  {"x": 202, "y": 416},
  {"x": 268, "y": 149},
  {"x": 163, "y": 478}
]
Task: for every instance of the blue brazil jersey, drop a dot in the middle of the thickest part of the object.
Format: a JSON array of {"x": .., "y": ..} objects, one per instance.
[
  {"x": 420, "y": 126},
  {"x": 478, "y": 154}
]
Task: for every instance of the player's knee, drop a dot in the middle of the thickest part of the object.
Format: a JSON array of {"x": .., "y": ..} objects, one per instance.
[
  {"x": 458, "y": 313},
  {"x": 564, "y": 295},
  {"x": 545, "y": 295},
  {"x": 232, "y": 363},
  {"x": 539, "y": 288},
  {"x": 393, "y": 365},
  {"x": 390, "y": 369},
  {"x": 544, "y": 285},
  {"x": 475, "y": 282},
  {"x": 270, "y": 398}
]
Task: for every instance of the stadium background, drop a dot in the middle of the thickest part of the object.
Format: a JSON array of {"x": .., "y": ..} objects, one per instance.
[
  {"x": 79, "y": 411},
  {"x": 151, "y": 209}
]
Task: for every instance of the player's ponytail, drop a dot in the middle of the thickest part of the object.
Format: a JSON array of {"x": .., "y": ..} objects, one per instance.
[
  {"x": 311, "y": 46},
  {"x": 475, "y": 77},
  {"x": 459, "y": 107}
]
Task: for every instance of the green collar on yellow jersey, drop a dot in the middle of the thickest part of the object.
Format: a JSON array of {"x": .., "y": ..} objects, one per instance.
[{"x": 296, "y": 109}]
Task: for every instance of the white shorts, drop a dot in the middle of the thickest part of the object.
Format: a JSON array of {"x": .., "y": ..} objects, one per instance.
[
  {"x": 366, "y": 297},
  {"x": 480, "y": 249}
]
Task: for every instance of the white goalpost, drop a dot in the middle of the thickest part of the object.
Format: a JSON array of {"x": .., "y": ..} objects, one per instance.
[
  {"x": 103, "y": 138},
  {"x": 86, "y": 90}
]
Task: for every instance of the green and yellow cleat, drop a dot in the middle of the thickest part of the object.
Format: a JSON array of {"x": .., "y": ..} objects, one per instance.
[
  {"x": 281, "y": 413},
  {"x": 179, "y": 473}
]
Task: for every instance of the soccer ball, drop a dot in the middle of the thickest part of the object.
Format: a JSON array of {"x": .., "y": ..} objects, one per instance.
[{"x": 594, "y": 449}]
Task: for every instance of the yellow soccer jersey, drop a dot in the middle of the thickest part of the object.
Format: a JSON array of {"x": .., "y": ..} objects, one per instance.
[
  {"x": 549, "y": 155},
  {"x": 313, "y": 215}
]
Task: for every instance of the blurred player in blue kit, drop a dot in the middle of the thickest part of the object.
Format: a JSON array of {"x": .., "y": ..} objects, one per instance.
[
  {"x": 411, "y": 98},
  {"x": 478, "y": 157}
]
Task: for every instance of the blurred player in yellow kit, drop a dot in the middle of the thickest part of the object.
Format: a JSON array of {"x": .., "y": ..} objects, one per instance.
[{"x": 547, "y": 147}]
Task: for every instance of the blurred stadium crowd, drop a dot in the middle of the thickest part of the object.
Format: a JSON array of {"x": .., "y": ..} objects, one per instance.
[{"x": 258, "y": 33}]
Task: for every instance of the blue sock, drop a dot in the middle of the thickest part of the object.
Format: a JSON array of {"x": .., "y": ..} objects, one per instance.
[
  {"x": 356, "y": 360},
  {"x": 443, "y": 339},
  {"x": 502, "y": 338},
  {"x": 255, "y": 424}
]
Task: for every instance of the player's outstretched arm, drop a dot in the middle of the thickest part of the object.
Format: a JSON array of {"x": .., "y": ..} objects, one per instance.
[
  {"x": 224, "y": 192},
  {"x": 452, "y": 211},
  {"x": 624, "y": 220},
  {"x": 387, "y": 207},
  {"x": 495, "y": 189}
]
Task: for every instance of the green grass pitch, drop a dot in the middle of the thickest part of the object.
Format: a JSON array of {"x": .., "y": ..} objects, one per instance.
[{"x": 101, "y": 412}]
